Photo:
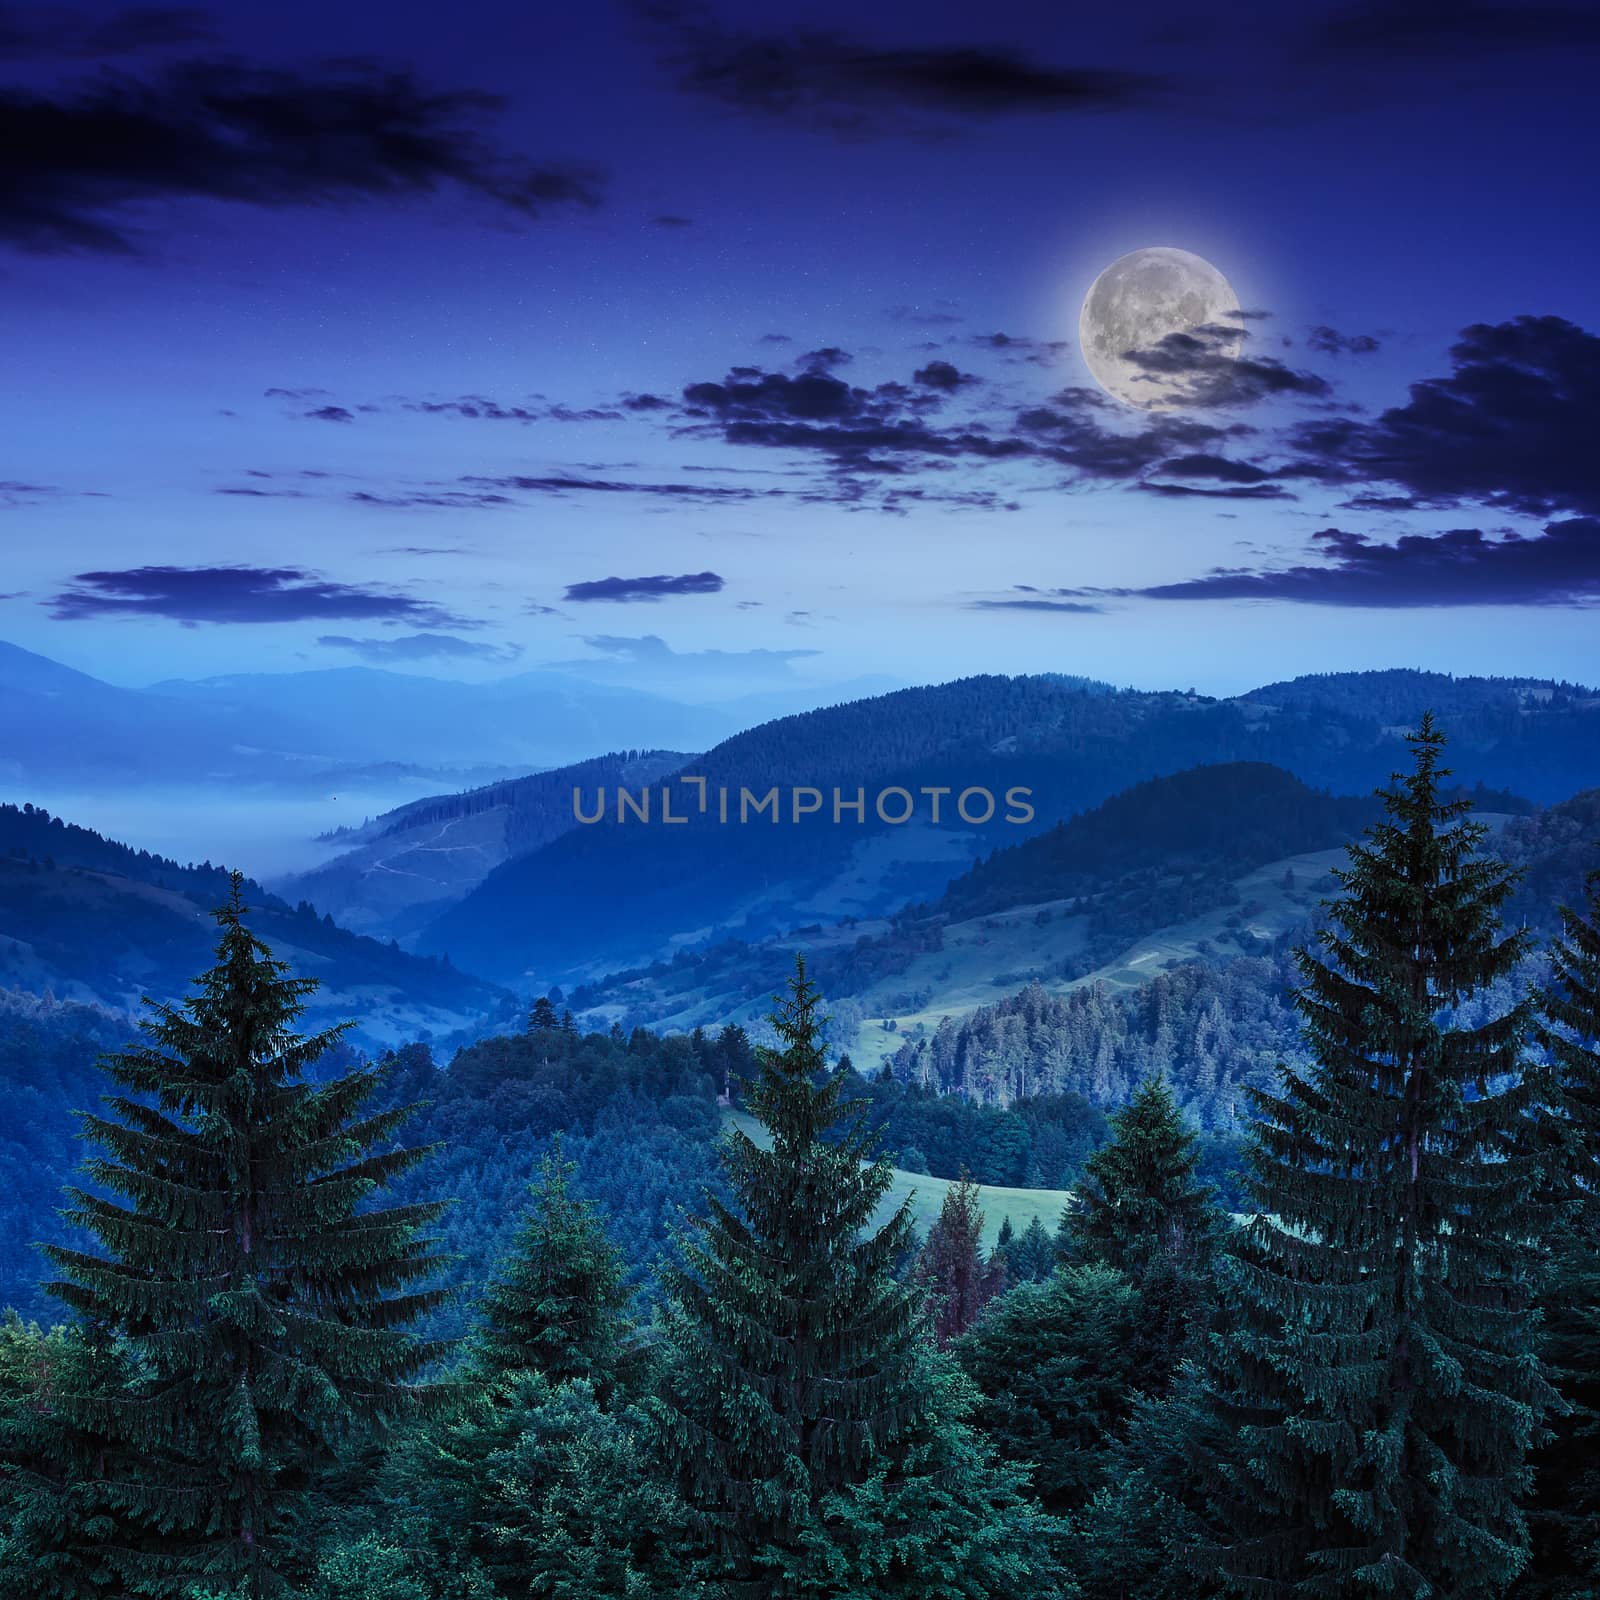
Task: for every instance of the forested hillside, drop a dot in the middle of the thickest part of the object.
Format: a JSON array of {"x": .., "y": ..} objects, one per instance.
[
  {"x": 1212, "y": 1030},
  {"x": 1161, "y": 852},
  {"x": 1049, "y": 1417},
  {"x": 1072, "y": 744},
  {"x": 97, "y": 921}
]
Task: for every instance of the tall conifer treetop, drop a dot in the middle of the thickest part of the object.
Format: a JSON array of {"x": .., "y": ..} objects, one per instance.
[
  {"x": 557, "y": 1306},
  {"x": 1140, "y": 1201},
  {"x": 959, "y": 1281},
  {"x": 797, "y": 1342},
  {"x": 1383, "y": 1360},
  {"x": 265, "y": 1299}
]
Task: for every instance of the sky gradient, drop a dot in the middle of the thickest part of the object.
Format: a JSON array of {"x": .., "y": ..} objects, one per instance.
[{"x": 340, "y": 334}]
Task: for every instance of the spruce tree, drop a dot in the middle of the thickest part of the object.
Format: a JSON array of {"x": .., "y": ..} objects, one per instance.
[
  {"x": 1032, "y": 1257},
  {"x": 1382, "y": 1359},
  {"x": 1140, "y": 1202},
  {"x": 960, "y": 1283},
  {"x": 557, "y": 1306},
  {"x": 263, "y": 1298},
  {"x": 817, "y": 1437},
  {"x": 1565, "y": 1512}
]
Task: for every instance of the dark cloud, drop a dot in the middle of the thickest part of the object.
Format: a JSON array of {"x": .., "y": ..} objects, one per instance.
[
  {"x": 1070, "y": 432},
  {"x": 659, "y": 587},
  {"x": 1016, "y": 348},
  {"x": 1221, "y": 468},
  {"x": 1184, "y": 491},
  {"x": 561, "y": 484},
  {"x": 1464, "y": 567},
  {"x": 331, "y": 414},
  {"x": 1382, "y": 502},
  {"x": 479, "y": 408},
  {"x": 826, "y": 81},
  {"x": 669, "y": 219},
  {"x": 861, "y": 430},
  {"x": 1333, "y": 343},
  {"x": 234, "y": 594},
  {"x": 1387, "y": 29},
  {"x": 14, "y": 495},
  {"x": 647, "y": 402},
  {"x": 475, "y": 408},
  {"x": 75, "y": 168},
  {"x": 942, "y": 375},
  {"x": 277, "y": 393},
  {"x": 825, "y": 359},
  {"x": 1514, "y": 425},
  {"x": 429, "y": 499},
  {"x": 1031, "y": 599},
  {"x": 1202, "y": 368},
  {"x": 42, "y": 32},
  {"x": 421, "y": 647}
]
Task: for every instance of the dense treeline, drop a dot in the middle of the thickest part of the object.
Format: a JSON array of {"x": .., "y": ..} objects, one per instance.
[
  {"x": 1349, "y": 1391},
  {"x": 1214, "y": 1029}
]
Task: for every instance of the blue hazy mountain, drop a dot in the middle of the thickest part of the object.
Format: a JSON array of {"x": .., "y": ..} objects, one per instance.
[{"x": 617, "y": 893}]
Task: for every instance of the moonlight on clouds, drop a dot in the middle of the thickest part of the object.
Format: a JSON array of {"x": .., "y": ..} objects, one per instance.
[{"x": 1139, "y": 301}]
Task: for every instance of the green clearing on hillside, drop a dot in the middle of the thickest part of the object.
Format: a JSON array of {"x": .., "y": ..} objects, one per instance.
[{"x": 927, "y": 1195}]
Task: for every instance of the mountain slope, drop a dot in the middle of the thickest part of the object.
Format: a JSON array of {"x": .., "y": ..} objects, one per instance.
[
  {"x": 405, "y": 864},
  {"x": 1190, "y": 851},
  {"x": 92, "y": 920},
  {"x": 553, "y": 915}
]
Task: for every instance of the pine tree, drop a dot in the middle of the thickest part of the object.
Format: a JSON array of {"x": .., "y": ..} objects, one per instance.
[
  {"x": 1033, "y": 1255},
  {"x": 543, "y": 1017},
  {"x": 1142, "y": 1209},
  {"x": 1565, "y": 1512},
  {"x": 817, "y": 1437},
  {"x": 1382, "y": 1355},
  {"x": 1140, "y": 1202},
  {"x": 959, "y": 1281},
  {"x": 558, "y": 1304},
  {"x": 265, "y": 1303},
  {"x": 1055, "y": 1363}
]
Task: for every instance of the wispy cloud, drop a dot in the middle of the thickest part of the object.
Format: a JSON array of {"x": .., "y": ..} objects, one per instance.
[{"x": 659, "y": 587}]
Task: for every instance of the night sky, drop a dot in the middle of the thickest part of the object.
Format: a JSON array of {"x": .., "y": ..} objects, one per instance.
[{"x": 465, "y": 339}]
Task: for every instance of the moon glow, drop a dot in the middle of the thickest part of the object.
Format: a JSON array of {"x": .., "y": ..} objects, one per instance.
[{"x": 1140, "y": 300}]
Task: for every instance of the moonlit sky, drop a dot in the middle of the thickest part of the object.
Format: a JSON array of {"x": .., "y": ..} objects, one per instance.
[{"x": 305, "y": 367}]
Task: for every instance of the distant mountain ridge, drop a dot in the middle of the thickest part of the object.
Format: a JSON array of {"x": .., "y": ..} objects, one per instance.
[
  {"x": 287, "y": 731},
  {"x": 551, "y": 915}
]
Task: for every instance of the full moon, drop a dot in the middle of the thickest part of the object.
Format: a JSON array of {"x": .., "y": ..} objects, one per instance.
[{"x": 1138, "y": 301}]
